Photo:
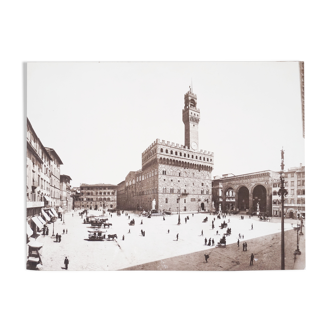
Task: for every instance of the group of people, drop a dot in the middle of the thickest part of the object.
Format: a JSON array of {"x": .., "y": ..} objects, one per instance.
[
  {"x": 57, "y": 237},
  {"x": 211, "y": 242},
  {"x": 45, "y": 230}
]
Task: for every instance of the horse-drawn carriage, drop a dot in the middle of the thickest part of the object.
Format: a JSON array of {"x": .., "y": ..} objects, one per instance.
[
  {"x": 229, "y": 231},
  {"x": 223, "y": 225},
  {"x": 222, "y": 242},
  {"x": 132, "y": 222},
  {"x": 205, "y": 219},
  {"x": 97, "y": 235}
]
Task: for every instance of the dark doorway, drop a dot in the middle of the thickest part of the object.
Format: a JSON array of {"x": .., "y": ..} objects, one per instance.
[
  {"x": 291, "y": 214},
  {"x": 202, "y": 206},
  {"x": 243, "y": 199},
  {"x": 96, "y": 207},
  {"x": 259, "y": 199}
]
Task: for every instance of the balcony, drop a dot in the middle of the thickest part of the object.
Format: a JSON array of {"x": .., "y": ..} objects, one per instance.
[{"x": 34, "y": 204}]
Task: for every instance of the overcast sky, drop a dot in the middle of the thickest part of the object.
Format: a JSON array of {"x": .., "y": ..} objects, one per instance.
[{"x": 100, "y": 117}]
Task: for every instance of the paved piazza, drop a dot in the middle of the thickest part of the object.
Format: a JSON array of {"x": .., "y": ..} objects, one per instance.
[{"x": 136, "y": 249}]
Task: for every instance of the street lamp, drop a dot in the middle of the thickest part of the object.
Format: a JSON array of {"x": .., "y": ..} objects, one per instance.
[
  {"x": 282, "y": 193},
  {"x": 297, "y": 251}
]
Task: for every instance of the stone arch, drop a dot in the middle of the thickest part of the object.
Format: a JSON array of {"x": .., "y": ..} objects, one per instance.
[
  {"x": 260, "y": 198},
  {"x": 243, "y": 194}
]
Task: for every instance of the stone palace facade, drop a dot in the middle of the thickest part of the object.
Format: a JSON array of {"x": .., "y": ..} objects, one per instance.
[{"x": 177, "y": 177}]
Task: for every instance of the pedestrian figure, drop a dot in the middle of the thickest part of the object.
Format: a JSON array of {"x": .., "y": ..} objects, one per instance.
[
  {"x": 129, "y": 230},
  {"x": 128, "y": 217},
  {"x": 66, "y": 231},
  {"x": 217, "y": 233},
  {"x": 205, "y": 241},
  {"x": 212, "y": 226},
  {"x": 242, "y": 237},
  {"x": 63, "y": 232},
  {"x": 209, "y": 242},
  {"x": 238, "y": 242},
  {"x": 111, "y": 216},
  {"x": 47, "y": 230},
  {"x": 123, "y": 238},
  {"x": 59, "y": 238},
  {"x": 202, "y": 233},
  {"x": 66, "y": 263},
  {"x": 168, "y": 231},
  {"x": 206, "y": 257},
  {"x": 243, "y": 245},
  {"x": 213, "y": 242},
  {"x": 56, "y": 237},
  {"x": 239, "y": 236},
  {"x": 193, "y": 214},
  {"x": 163, "y": 217},
  {"x": 252, "y": 226},
  {"x": 73, "y": 214},
  {"x": 252, "y": 259},
  {"x": 143, "y": 233},
  {"x": 141, "y": 222},
  {"x": 177, "y": 237}
]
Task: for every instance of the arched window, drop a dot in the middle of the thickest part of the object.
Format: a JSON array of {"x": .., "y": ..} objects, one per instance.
[
  {"x": 171, "y": 151},
  {"x": 200, "y": 158},
  {"x": 176, "y": 153},
  {"x": 274, "y": 192},
  {"x": 161, "y": 150},
  {"x": 166, "y": 151},
  {"x": 196, "y": 157},
  {"x": 204, "y": 158},
  {"x": 180, "y": 154},
  {"x": 184, "y": 155},
  {"x": 192, "y": 156}
]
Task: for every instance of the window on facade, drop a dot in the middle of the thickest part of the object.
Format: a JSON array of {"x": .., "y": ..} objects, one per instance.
[
  {"x": 161, "y": 150},
  {"x": 184, "y": 208},
  {"x": 292, "y": 201},
  {"x": 172, "y": 190},
  {"x": 166, "y": 200},
  {"x": 207, "y": 192},
  {"x": 292, "y": 175},
  {"x": 298, "y": 182},
  {"x": 303, "y": 192},
  {"x": 298, "y": 201},
  {"x": 286, "y": 184},
  {"x": 180, "y": 154},
  {"x": 292, "y": 183},
  {"x": 171, "y": 151},
  {"x": 192, "y": 156},
  {"x": 303, "y": 182},
  {"x": 286, "y": 201},
  {"x": 166, "y": 151},
  {"x": 292, "y": 191},
  {"x": 274, "y": 185},
  {"x": 298, "y": 191},
  {"x": 202, "y": 191},
  {"x": 179, "y": 174},
  {"x": 176, "y": 153}
]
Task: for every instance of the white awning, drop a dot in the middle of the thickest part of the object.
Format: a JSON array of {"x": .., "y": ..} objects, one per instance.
[
  {"x": 45, "y": 215},
  {"x": 47, "y": 198},
  {"x": 37, "y": 222},
  {"x": 55, "y": 214},
  {"x": 50, "y": 213},
  {"x": 42, "y": 220},
  {"x": 29, "y": 230},
  {"x": 60, "y": 209}
]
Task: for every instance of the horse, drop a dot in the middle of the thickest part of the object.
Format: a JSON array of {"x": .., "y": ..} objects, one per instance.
[{"x": 112, "y": 236}]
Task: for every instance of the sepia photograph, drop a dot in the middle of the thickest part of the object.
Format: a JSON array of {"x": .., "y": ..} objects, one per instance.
[{"x": 165, "y": 166}]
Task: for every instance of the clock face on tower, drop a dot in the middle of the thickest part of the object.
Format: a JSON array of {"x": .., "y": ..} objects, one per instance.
[{"x": 194, "y": 145}]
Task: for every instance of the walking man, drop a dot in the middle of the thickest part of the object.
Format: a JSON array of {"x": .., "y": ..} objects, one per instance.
[
  {"x": 252, "y": 259},
  {"x": 177, "y": 237},
  {"x": 168, "y": 231},
  {"x": 202, "y": 233},
  {"x": 66, "y": 263},
  {"x": 123, "y": 238},
  {"x": 213, "y": 242},
  {"x": 206, "y": 258},
  {"x": 238, "y": 242},
  {"x": 59, "y": 238},
  {"x": 66, "y": 231},
  {"x": 252, "y": 226},
  {"x": 56, "y": 237},
  {"x": 205, "y": 241}
]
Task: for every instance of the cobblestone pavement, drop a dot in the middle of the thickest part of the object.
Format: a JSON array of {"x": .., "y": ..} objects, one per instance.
[{"x": 135, "y": 250}]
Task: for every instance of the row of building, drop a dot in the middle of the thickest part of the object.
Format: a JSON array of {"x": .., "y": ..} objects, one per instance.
[
  {"x": 178, "y": 178},
  {"x": 48, "y": 192}
]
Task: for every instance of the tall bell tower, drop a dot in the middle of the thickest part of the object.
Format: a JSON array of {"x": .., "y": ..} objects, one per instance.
[{"x": 190, "y": 118}]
